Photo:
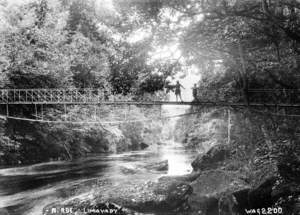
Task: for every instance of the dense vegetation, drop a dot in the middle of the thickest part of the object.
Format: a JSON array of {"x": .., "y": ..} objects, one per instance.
[
  {"x": 130, "y": 48},
  {"x": 244, "y": 45},
  {"x": 67, "y": 44}
]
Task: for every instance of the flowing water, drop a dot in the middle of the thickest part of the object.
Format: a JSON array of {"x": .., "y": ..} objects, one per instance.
[{"x": 26, "y": 190}]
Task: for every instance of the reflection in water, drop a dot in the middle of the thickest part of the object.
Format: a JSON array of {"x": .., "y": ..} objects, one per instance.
[
  {"x": 179, "y": 164},
  {"x": 26, "y": 190}
]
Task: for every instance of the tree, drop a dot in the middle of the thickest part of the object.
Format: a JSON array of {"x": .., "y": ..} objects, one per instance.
[
  {"x": 152, "y": 84},
  {"x": 149, "y": 9},
  {"x": 256, "y": 41}
]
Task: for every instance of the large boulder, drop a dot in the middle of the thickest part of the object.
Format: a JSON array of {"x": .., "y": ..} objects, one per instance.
[
  {"x": 263, "y": 180},
  {"x": 3, "y": 211},
  {"x": 218, "y": 189},
  {"x": 213, "y": 159},
  {"x": 144, "y": 145},
  {"x": 287, "y": 196},
  {"x": 260, "y": 196},
  {"x": 269, "y": 188}
]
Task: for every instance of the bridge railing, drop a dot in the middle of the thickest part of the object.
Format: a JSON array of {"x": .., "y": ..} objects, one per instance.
[
  {"x": 220, "y": 95},
  {"x": 87, "y": 95},
  {"x": 291, "y": 96},
  {"x": 72, "y": 95},
  {"x": 51, "y": 95}
]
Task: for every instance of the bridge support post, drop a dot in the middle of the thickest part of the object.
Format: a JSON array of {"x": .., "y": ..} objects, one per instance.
[
  {"x": 129, "y": 109},
  {"x": 65, "y": 111},
  {"x": 36, "y": 111},
  {"x": 42, "y": 111},
  {"x": 160, "y": 111},
  {"x": 125, "y": 115},
  {"x": 95, "y": 113},
  {"x": 7, "y": 110},
  {"x": 228, "y": 126}
]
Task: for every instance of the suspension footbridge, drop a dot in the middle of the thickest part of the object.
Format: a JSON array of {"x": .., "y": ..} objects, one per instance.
[
  {"x": 259, "y": 98},
  {"x": 98, "y": 96}
]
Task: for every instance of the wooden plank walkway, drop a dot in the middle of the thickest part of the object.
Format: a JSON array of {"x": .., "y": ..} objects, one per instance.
[
  {"x": 158, "y": 103},
  {"x": 98, "y": 97}
]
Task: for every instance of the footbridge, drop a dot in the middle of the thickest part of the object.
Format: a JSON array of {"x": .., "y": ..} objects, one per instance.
[
  {"x": 98, "y": 96},
  {"x": 39, "y": 99}
]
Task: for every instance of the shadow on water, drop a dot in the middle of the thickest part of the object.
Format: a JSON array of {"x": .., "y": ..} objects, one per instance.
[{"x": 26, "y": 190}]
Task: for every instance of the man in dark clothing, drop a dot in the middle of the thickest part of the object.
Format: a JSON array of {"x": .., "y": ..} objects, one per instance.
[
  {"x": 195, "y": 92},
  {"x": 178, "y": 87}
]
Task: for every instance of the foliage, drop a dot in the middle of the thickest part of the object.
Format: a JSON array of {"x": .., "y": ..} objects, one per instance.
[
  {"x": 262, "y": 146},
  {"x": 237, "y": 45},
  {"x": 88, "y": 63},
  {"x": 149, "y": 9},
  {"x": 152, "y": 84},
  {"x": 60, "y": 44},
  {"x": 256, "y": 42},
  {"x": 68, "y": 44},
  {"x": 9, "y": 150},
  {"x": 81, "y": 20}
]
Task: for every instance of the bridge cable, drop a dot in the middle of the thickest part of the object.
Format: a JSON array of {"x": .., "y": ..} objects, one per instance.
[
  {"x": 131, "y": 121},
  {"x": 95, "y": 122}
]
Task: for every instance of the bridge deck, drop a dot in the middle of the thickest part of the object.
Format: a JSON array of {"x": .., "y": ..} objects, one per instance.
[
  {"x": 159, "y": 103},
  {"x": 98, "y": 96}
]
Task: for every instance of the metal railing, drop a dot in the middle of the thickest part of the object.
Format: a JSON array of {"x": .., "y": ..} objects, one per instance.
[
  {"x": 276, "y": 96},
  {"x": 51, "y": 96},
  {"x": 90, "y": 96}
]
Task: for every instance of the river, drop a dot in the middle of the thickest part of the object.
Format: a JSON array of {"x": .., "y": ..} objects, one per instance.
[{"x": 26, "y": 190}]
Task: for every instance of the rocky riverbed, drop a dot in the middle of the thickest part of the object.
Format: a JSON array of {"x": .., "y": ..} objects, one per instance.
[{"x": 211, "y": 189}]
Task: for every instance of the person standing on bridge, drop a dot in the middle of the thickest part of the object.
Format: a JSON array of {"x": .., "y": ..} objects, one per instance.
[
  {"x": 178, "y": 87},
  {"x": 195, "y": 92}
]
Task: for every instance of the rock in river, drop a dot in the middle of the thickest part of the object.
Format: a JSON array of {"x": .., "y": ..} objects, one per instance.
[
  {"x": 160, "y": 166},
  {"x": 213, "y": 159},
  {"x": 129, "y": 171}
]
